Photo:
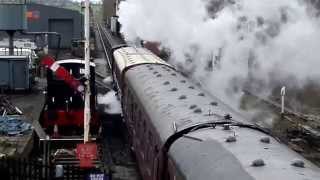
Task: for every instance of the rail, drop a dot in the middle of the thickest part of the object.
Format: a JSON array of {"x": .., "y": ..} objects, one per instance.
[
  {"x": 107, "y": 54},
  {"x": 99, "y": 81}
]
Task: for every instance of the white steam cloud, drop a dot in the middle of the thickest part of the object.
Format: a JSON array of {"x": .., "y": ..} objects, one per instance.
[
  {"x": 232, "y": 44},
  {"x": 112, "y": 104}
]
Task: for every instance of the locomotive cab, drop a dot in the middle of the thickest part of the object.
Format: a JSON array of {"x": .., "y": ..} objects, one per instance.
[{"x": 64, "y": 109}]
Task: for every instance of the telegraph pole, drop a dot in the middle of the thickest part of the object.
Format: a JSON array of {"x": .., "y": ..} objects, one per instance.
[{"x": 87, "y": 112}]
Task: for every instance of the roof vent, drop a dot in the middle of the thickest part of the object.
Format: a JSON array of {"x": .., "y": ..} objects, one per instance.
[
  {"x": 265, "y": 140},
  {"x": 214, "y": 104},
  {"x": 258, "y": 163},
  {"x": 193, "y": 106},
  {"x": 227, "y": 117},
  {"x": 198, "y": 111},
  {"x": 183, "y": 97},
  {"x": 166, "y": 83},
  {"x": 231, "y": 139},
  {"x": 191, "y": 87},
  {"x": 226, "y": 127},
  {"x": 159, "y": 75},
  {"x": 201, "y": 94},
  {"x": 298, "y": 163},
  {"x": 174, "y": 74},
  {"x": 174, "y": 89}
]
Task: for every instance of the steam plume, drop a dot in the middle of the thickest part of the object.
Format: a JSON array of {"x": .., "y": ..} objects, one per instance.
[{"x": 232, "y": 44}]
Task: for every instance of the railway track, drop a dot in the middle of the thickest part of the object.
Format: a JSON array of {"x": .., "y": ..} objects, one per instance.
[
  {"x": 106, "y": 47},
  {"x": 100, "y": 82},
  {"x": 293, "y": 128},
  {"x": 116, "y": 150},
  {"x": 289, "y": 114}
]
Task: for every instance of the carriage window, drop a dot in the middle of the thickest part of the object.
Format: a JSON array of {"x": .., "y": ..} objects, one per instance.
[
  {"x": 130, "y": 104},
  {"x": 143, "y": 135},
  {"x": 150, "y": 148},
  {"x": 144, "y": 124},
  {"x": 133, "y": 115},
  {"x": 137, "y": 120},
  {"x": 150, "y": 137},
  {"x": 131, "y": 111}
]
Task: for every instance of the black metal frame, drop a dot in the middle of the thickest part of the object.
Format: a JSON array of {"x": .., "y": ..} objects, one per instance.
[{"x": 31, "y": 169}]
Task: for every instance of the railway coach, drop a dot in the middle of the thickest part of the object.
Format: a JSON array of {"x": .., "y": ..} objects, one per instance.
[{"x": 180, "y": 132}]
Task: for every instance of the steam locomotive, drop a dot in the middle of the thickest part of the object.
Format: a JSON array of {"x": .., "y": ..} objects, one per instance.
[
  {"x": 64, "y": 107},
  {"x": 180, "y": 132}
]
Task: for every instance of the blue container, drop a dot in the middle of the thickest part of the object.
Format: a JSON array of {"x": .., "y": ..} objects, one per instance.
[{"x": 14, "y": 73}]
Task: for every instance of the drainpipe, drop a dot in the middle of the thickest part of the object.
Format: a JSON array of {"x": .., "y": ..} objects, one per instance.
[
  {"x": 46, "y": 48},
  {"x": 11, "y": 42}
]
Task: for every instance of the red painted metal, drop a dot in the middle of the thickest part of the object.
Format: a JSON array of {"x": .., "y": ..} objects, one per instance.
[
  {"x": 59, "y": 115},
  {"x": 62, "y": 74},
  {"x": 67, "y": 118},
  {"x": 86, "y": 153}
]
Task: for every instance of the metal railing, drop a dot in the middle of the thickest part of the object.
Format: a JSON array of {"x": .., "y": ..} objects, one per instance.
[
  {"x": 31, "y": 169},
  {"x": 4, "y": 51}
]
